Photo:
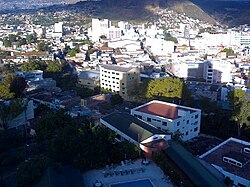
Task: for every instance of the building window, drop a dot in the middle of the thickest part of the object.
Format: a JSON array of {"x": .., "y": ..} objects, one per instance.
[
  {"x": 138, "y": 116},
  {"x": 196, "y": 116},
  {"x": 117, "y": 73},
  {"x": 187, "y": 121},
  {"x": 123, "y": 83},
  {"x": 148, "y": 119},
  {"x": 186, "y": 133},
  {"x": 178, "y": 123},
  {"x": 195, "y": 129},
  {"x": 123, "y": 93},
  {"x": 164, "y": 123}
]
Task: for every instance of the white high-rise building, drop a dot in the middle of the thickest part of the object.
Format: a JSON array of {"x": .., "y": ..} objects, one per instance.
[
  {"x": 58, "y": 27},
  {"x": 58, "y": 30},
  {"x": 99, "y": 28}
]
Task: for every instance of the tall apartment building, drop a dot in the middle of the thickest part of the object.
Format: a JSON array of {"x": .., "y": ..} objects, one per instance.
[
  {"x": 119, "y": 79},
  {"x": 99, "y": 27},
  {"x": 170, "y": 117}
]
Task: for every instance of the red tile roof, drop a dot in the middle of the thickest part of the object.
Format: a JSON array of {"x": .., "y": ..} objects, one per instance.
[{"x": 163, "y": 110}]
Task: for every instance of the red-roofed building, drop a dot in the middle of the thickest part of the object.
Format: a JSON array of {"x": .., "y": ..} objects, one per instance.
[{"x": 170, "y": 117}]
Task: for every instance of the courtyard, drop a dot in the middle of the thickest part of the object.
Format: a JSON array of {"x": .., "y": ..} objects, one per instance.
[{"x": 125, "y": 172}]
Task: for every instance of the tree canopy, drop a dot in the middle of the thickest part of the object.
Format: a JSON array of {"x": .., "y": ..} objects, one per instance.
[
  {"x": 42, "y": 46},
  {"x": 54, "y": 67},
  {"x": 240, "y": 102},
  {"x": 228, "y": 51},
  {"x": 169, "y": 37},
  {"x": 12, "y": 87},
  {"x": 164, "y": 89}
]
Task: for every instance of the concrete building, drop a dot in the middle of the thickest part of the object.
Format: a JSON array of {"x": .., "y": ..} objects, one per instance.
[
  {"x": 58, "y": 27},
  {"x": 160, "y": 46},
  {"x": 173, "y": 118},
  {"x": 232, "y": 159},
  {"x": 99, "y": 27},
  {"x": 119, "y": 79},
  {"x": 189, "y": 70},
  {"x": 114, "y": 33},
  {"x": 89, "y": 79},
  {"x": 218, "y": 71},
  {"x": 128, "y": 127}
]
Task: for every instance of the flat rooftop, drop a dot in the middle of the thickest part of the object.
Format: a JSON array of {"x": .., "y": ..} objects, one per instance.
[
  {"x": 163, "y": 109},
  {"x": 230, "y": 148},
  {"x": 117, "y": 67}
]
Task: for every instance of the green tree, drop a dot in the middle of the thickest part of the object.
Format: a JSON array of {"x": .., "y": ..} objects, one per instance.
[
  {"x": 31, "y": 38},
  {"x": 169, "y": 37},
  {"x": 42, "y": 46},
  {"x": 12, "y": 86},
  {"x": 33, "y": 65},
  {"x": 15, "y": 83},
  {"x": 116, "y": 99},
  {"x": 7, "y": 42},
  {"x": 13, "y": 38},
  {"x": 240, "y": 102},
  {"x": 30, "y": 172},
  {"x": 165, "y": 89},
  {"x": 5, "y": 92},
  {"x": 10, "y": 110},
  {"x": 21, "y": 41},
  {"x": 54, "y": 67},
  {"x": 229, "y": 51},
  {"x": 74, "y": 51}
]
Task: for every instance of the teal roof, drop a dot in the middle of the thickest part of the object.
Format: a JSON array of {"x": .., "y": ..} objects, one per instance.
[{"x": 199, "y": 175}]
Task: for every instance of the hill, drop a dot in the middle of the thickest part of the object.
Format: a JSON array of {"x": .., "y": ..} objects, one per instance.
[
  {"x": 229, "y": 12},
  {"x": 142, "y": 9}
]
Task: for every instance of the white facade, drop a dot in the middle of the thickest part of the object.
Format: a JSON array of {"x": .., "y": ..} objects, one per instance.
[
  {"x": 186, "y": 122},
  {"x": 99, "y": 27},
  {"x": 160, "y": 46},
  {"x": 58, "y": 27},
  {"x": 189, "y": 69},
  {"x": 218, "y": 71}
]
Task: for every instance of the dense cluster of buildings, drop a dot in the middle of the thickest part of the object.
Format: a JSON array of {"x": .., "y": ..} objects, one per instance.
[{"x": 118, "y": 57}]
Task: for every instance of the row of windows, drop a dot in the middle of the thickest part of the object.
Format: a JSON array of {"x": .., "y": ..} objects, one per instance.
[
  {"x": 114, "y": 73},
  {"x": 117, "y": 78},
  {"x": 228, "y": 160},
  {"x": 110, "y": 81}
]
